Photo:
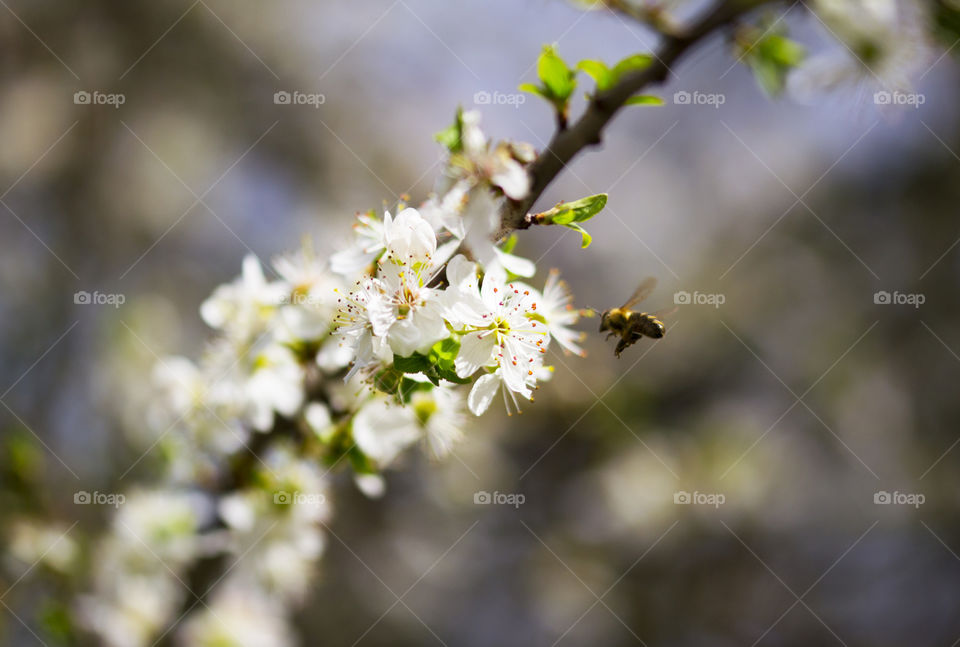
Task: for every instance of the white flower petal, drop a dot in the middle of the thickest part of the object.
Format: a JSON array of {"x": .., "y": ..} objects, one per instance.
[
  {"x": 481, "y": 395},
  {"x": 383, "y": 431},
  {"x": 410, "y": 238},
  {"x": 516, "y": 264},
  {"x": 405, "y": 337},
  {"x": 461, "y": 273},
  {"x": 252, "y": 271},
  {"x": 372, "y": 485},
  {"x": 476, "y": 351},
  {"x": 351, "y": 261},
  {"x": 513, "y": 179}
]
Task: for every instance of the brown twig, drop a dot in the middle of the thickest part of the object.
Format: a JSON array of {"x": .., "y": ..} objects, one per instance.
[{"x": 587, "y": 130}]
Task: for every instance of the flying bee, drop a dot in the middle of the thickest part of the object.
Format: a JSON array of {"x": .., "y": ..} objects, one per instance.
[{"x": 629, "y": 325}]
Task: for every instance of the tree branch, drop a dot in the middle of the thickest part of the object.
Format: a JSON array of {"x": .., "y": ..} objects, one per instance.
[{"x": 587, "y": 130}]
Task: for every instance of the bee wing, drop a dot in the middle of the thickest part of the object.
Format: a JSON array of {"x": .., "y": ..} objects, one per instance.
[
  {"x": 660, "y": 314},
  {"x": 642, "y": 292}
]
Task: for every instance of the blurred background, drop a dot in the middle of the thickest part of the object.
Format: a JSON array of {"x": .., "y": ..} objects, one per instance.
[{"x": 718, "y": 487}]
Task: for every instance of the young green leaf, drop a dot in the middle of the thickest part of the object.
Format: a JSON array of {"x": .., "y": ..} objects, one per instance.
[
  {"x": 631, "y": 64},
  {"x": 452, "y": 136},
  {"x": 510, "y": 243},
  {"x": 644, "y": 100},
  {"x": 534, "y": 89},
  {"x": 606, "y": 77},
  {"x": 558, "y": 79},
  {"x": 577, "y": 211},
  {"x": 771, "y": 55},
  {"x": 599, "y": 72},
  {"x": 585, "y": 239}
]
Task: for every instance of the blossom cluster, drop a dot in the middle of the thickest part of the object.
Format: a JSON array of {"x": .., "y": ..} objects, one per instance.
[{"x": 319, "y": 362}]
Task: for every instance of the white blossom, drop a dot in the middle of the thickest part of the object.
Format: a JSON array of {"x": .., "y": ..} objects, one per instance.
[
  {"x": 369, "y": 243},
  {"x": 310, "y": 295},
  {"x": 275, "y": 385},
  {"x": 382, "y": 430},
  {"x": 238, "y": 617},
  {"x": 557, "y": 311},
  {"x": 500, "y": 330},
  {"x": 439, "y": 412},
  {"x": 242, "y": 308}
]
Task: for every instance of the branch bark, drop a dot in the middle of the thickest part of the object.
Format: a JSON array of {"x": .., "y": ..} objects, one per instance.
[{"x": 586, "y": 131}]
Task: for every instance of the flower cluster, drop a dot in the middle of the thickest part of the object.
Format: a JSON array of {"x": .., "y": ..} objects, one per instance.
[
  {"x": 350, "y": 359},
  {"x": 346, "y": 360}
]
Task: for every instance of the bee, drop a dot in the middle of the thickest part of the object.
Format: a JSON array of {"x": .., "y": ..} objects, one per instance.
[{"x": 629, "y": 325}]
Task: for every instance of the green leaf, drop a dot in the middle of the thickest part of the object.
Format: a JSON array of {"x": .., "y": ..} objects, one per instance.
[
  {"x": 388, "y": 380},
  {"x": 585, "y": 239},
  {"x": 509, "y": 244},
  {"x": 442, "y": 357},
  {"x": 556, "y": 76},
  {"x": 415, "y": 364},
  {"x": 644, "y": 100},
  {"x": 606, "y": 77},
  {"x": 599, "y": 72},
  {"x": 444, "y": 351},
  {"x": 534, "y": 89},
  {"x": 769, "y": 76},
  {"x": 771, "y": 55},
  {"x": 452, "y": 136},
  {"x": 450, "y": 375},
  {"x": 631, "y": 64},
  {"x": 408, "y": 387},
  {"x": 577, "y": 211}
]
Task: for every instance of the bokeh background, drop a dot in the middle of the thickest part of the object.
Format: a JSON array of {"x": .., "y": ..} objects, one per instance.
[{"x": 798, "y": 399}]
